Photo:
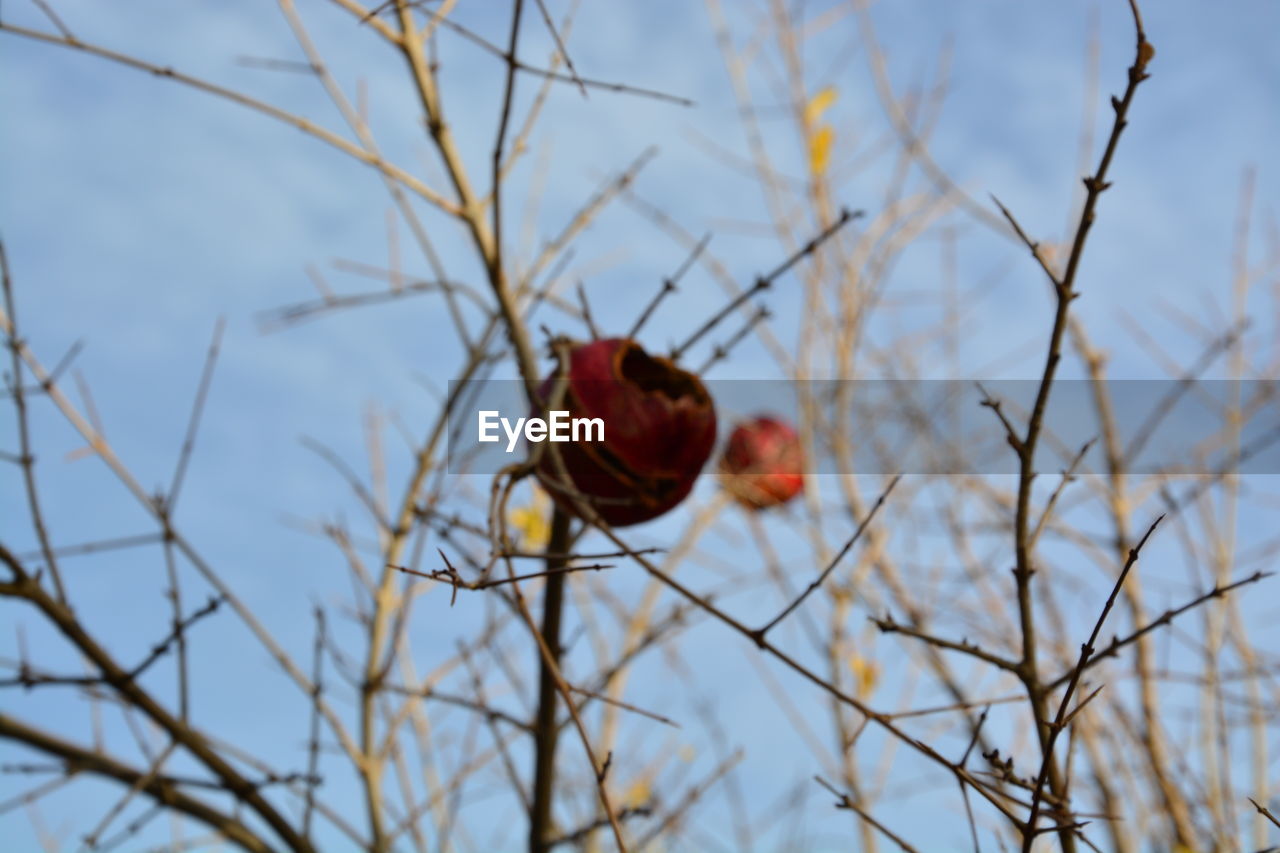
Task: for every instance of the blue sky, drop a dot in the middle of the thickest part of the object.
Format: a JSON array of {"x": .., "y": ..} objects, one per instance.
[{"x": 136, "y": 211}]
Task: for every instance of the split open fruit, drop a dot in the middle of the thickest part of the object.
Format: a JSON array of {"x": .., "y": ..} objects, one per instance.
[
  {"x": 659, "y": 430},
  {"x": 763, "y": 463}
]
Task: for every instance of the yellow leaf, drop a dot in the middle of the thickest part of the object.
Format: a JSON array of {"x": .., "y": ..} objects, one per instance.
[
  {"x": 820, "y": 149},
  {"x": 867, "y": 673},
  {"x": 687, "y": 753},
  {"x": 819, "y": 104},
  {"x": 638, "y": 794},
  {"x": 530, "y": 521}
]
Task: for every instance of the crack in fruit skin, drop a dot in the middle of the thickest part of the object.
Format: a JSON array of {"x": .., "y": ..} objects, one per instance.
[
  {"x": 660, "y": 428},
  {"x": 763, "y": 463}
]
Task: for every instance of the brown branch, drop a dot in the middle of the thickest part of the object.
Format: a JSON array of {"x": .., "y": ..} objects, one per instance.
[
  {"x": 161, "y": 789},
  {"x": 884, "y": 721},
  {"x": 843, "y": 801},
  {"x": 765, "y": 282},
  {"x": 197, "y": 409},
  {"x": 524, "y": 67},
  {"x": 313, "y": 739},
  {"x": 62, "y": 618},
  {"x": 586, "y": 313},
  {"x": 1064, "y": 291},
  {"x": 579, "y": 835},
  {"x": 563, "y": 51},
  {"x": 170, "y": 534},
  {"x": 451, "y": 576},
  {"x": 305, "y": 125},
  {"x": 25, "y": 458},
  {"x": 888, "y": 626},
  {"x": 687, "y": 799},
  {"x": 1033, "y": 245},
  {"x": 1116, "y": 644},
  {"x": 669, "y": 286},
  {"x": 617, "y": 703},
  {"x": 721, "y": 351},
  {"x": 545, "y": 730},
  {"x": 1264, "y": 811},
  {"x": 305, "y": 310},
  {"x": 82, "y": 548},
  {"x": 1060, "y": 720},
  {"x": 1068, "y": 477},
  {"x": 759, "y": 635}
]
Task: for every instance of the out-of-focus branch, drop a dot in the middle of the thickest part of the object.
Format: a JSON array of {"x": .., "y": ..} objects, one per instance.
[
  {"x": 164, "y": 791},
  {"x": 1264, "y": 811},
  {"x": 26, "y": 459},
  {"x": 305, "y": 125},
  {"x": 121, "y": 680}
]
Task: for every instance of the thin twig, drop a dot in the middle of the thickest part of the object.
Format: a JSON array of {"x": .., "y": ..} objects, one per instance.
[
  {"x": 305, "y": 125},
  {"x": 843, "y": 801},
  {"x": 721, "y": 351},
  {"x": 1264, "y": 811},
  {"x": 1086, "y": 653},
  {"x": 888, "y": 626},
  {"x": 669, "y": 286},
  {"x": 586, "y": 313},
  {"x": 765, "y": 282},
  {"x": 450, "y": 576},
  {"x": 555, "y": 35},
  {"x": 26, "y": 459},
  {"x": 1113, "y": 648},
  {"x": 759, "y": 635},
  {"x": 313, "y": 740},
  {"x": 197, "y": 409},
  {"x": 666, "y": 721},
  {"x": 519, "y": 65}
]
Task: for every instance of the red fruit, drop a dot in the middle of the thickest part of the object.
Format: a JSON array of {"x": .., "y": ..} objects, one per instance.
[
  {"x": 659, "y": 429},
  {"x": 763, "y": 463}
]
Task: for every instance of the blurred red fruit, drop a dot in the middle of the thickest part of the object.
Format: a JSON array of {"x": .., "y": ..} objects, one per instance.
[
  {"x": 762, "y": 463},
  {"x": 659, "y": 429}
]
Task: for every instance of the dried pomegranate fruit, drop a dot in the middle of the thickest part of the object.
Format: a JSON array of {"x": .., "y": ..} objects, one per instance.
[
  {"x": 763, "y": 463},
  {"x": 659, "y": 430}
]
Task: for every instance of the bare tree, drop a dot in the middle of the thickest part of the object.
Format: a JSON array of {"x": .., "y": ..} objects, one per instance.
[{"x": 1033, "y": 706}]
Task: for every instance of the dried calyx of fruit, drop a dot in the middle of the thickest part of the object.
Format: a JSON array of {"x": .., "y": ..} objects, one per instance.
[
  {"x": 763, "y": 463},
  {"x": 659, "y": 429}
]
